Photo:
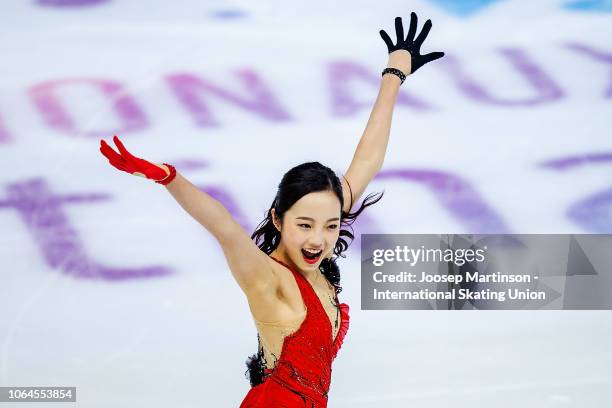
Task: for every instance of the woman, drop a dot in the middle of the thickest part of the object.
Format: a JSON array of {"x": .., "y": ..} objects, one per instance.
[{"x": 289, "y": 274}]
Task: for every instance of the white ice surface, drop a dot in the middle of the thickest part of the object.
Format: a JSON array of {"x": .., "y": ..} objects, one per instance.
[{"x": 163, "y": 342}]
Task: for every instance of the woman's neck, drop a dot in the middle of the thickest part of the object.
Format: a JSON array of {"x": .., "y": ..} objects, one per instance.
[{"x": 282, "y": 256}]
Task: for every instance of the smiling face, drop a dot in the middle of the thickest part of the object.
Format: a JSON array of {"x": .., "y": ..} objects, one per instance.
[{"x": 311, "y": 224}]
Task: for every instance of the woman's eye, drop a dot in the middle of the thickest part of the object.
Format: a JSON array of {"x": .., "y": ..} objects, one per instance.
[{"x": 334, "y": 226}]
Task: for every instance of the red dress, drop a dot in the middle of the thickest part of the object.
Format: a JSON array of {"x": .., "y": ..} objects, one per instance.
[{"x": 302, "y": 375}]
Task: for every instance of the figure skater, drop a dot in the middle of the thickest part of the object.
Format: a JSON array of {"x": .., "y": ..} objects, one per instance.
[{"x": 289, "y": 272}]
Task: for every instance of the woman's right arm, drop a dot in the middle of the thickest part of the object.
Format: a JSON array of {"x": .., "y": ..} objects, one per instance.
[
  {"x": 250, "y": 267},
  {"x": 209, "y": 212}
]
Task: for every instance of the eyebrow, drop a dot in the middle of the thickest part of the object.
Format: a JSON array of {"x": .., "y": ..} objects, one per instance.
[{"x": 310, "y": 219}]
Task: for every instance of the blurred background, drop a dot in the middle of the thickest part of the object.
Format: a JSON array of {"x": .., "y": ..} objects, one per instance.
[{"x": 106, "y": 284}]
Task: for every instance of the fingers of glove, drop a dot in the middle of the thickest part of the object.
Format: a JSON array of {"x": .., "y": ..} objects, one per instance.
[
  {"x": 412, "y": 28},
  {"x": 113, "y": 157},
  {"x": 387, "y": 40},
  {"x": 118, "y": 165},
  {"x": 399, "y": 30},
  {"x": 122, "y": 148},
  {"x": 432, "y": 56},
  {"x": 423, "y": 34},
  {"x": 108, "y": 151}
]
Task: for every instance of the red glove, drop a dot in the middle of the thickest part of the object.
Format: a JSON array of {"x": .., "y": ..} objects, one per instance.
[{"x": 127, "y": 162}]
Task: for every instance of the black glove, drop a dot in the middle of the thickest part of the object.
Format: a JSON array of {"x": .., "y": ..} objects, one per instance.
[{"x": 410, "y": 44}]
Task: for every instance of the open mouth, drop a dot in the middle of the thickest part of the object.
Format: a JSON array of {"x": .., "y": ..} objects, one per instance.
[{"x": 311, "y": 257}]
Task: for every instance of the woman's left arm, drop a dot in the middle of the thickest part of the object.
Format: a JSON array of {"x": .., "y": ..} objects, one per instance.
[{"x": 370, "y": 152}]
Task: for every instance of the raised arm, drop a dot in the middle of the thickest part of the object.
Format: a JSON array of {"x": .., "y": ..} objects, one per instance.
[
  {"x": 250, "y": 267},
  {"x": 370, "y": 152}
]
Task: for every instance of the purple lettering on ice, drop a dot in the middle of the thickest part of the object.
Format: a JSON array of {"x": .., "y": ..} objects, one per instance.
[
  {"x": 43, "y": 215},
  {"x": 224, "y": 197},
  {"x": 71, "y": 3},
  {"x": 5, "y": 136},
  {"x": 457, "y": 196},
  {"x": 46, "y": 100},
  {"x": 190, "y": 90},
  {"x": 190, "y": 164},
  {"x": 342, "y": 73},
  {"x": 601, "y": 56},
  {"x": 546, "y": 89},
  {"x": 576, "y": 161},
  {"x": 593, "y": 213}
]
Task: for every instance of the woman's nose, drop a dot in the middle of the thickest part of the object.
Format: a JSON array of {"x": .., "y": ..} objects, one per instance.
[{"x": 317, "y": 241}]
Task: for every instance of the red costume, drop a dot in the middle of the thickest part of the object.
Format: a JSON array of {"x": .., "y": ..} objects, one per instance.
[{"x": 302, "y": 375}]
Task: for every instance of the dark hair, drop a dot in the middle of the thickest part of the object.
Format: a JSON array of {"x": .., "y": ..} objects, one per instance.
[{"x": 301, "y": 180}]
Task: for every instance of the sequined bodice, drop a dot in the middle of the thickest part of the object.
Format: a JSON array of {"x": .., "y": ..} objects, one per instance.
[{"x": 307, "y": 353}]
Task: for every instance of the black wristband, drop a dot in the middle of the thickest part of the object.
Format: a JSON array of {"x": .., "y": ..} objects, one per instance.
[{"x": 395, "y": 71}]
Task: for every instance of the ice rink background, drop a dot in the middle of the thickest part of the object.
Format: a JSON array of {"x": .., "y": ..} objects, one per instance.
[{"x": 108, "y": 285}]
